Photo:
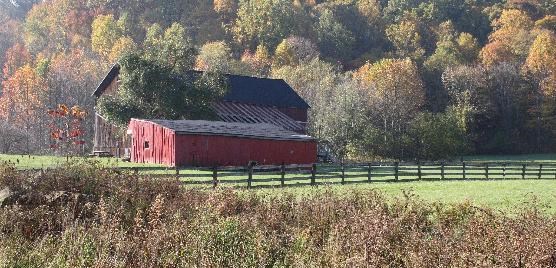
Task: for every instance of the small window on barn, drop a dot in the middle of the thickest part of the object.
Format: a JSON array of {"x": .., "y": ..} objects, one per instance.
[{"x": 146, "y": 145}]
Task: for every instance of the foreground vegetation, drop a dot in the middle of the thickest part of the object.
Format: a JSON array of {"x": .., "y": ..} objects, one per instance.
[{"x": 83, "y": 215}]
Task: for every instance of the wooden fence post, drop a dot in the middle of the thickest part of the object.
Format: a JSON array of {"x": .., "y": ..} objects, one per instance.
[
  {"x": 343, "y": 172},
  {"x": 442, "y": 171},
  {"x": 540, "y": 171},
  {"x": 249, "y": 175},
  {"x": 523, "y": 171},
  {"x": 313, "y": 174},
  {"x": 419, "y": 170},
  {"x": 463, "y": 166},
  {"x": 214, "y": 177},
  {"x": 282, "y": 174},
  {"x": 369, "y": 172},
  {"x": 396, "y": 170},
  {"x": 486, "y": 171},
  {"x": 504, "y": 171}
]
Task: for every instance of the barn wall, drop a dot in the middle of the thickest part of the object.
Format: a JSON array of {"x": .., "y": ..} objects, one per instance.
[
  {"x": 202, "y": 150},
  {"x": 161, "y": 143},
  {"x": 297, "y": 114},
  {"x": 109, "y": 138}
]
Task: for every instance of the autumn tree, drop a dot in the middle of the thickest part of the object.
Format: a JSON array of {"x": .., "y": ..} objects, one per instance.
[
  {"x": 66, "y": 129},
  {"x": 406, "y": 38},
  {"x": 21, "y": 104},
  {"x": 15, "y": 58},
  {"x": 395, "y": 94},
  {"x": 172, "y": 48},
  {"x": 511, "y": 39},
  {"x": 334, "y": 40},
  {"x": 121, "y": 46},
  {"x": 104, "y": 35},
  {"x": 215, "y": 56},
  {"x": 259, "y": 62},
  {"x": 264, "y": 22},
  {"x": 284, "y": 55}
]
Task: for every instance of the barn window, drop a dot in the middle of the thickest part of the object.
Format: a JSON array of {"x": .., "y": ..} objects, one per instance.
[{"x": 146, "y": 145}]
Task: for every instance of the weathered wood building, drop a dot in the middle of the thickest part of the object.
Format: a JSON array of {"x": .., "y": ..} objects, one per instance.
[
  {"x": 249, "y": 100},
  {"x": 217, "y": 143}
]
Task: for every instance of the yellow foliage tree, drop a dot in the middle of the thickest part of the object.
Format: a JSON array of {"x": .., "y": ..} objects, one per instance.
[
  {"x": 395, "y": 92},
  {"x": 105, "y": 33},
  {"x": 123, "y": 45},
  {"x": 284, "y": 55},
  {"x": 511, "y": 39},
  {"x": 541, "y": 61}
]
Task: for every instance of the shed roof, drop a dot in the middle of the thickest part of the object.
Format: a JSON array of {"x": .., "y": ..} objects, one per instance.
[
  {"x": 242, "y": 89},
  {"x": 219, "y": 128}
]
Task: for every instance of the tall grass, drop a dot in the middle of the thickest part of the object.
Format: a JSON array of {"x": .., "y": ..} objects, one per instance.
[{"x": 82, "y": 215}]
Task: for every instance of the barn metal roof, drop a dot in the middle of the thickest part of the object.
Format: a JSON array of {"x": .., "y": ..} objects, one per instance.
[
  {"x": 247, "y": 113},
  {"x": 259, "y": 130},
  {"x": 243, "y": 89},
  {"x": 263, "y": 91}
]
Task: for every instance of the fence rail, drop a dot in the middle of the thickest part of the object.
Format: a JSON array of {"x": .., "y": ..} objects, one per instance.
[{"x": 297, "y": 175}]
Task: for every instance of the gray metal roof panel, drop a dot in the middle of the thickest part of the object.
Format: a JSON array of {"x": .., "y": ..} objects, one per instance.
[{"x": 245, "y": 130}]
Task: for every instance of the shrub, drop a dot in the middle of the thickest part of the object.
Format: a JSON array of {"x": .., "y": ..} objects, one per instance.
[{"x": 82, "y": 215}]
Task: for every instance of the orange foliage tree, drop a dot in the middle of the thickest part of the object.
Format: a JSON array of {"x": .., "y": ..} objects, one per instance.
[
  {"x": 66, "y": 129},
  {"x": 21, "y": 100}
]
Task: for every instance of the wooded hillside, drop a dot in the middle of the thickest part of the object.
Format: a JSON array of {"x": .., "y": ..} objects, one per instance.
[{"x": 397, "y": 79}]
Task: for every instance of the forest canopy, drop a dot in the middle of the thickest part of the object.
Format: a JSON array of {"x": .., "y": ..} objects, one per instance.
[{"x": 404, "y": 79}]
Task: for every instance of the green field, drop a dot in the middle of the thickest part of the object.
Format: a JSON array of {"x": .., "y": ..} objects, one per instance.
[{"x": 499, "y": 194}]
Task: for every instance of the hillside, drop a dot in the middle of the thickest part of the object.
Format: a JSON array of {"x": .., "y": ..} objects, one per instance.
[{"x": 385, "y": 79}]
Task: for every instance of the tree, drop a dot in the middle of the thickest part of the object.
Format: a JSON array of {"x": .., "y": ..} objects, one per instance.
[
  {"x": 406, "y": 39},
  {"x": 15, "y": 58},
  {"x": 105, "y": 33},
  {"x": 395, "y": 94},
  {"x": 151, "y": 90},
  {"x": 259, "y": 62},
  {"x": 264, "y": 22},
  {"x": 303, "y": 49},
  {"x": 21, "y": 104},
  {"x": 541, "y": 61},
  {"x": 66, "y": 129},
  {"x": 438, "y": 136},
  {"x": 216, "y": 57},
  {"x": 511, "y": 39},
  {"x": 334, "y": 40},
  {"x": 122, "y": 46},
  {"x": 174, "y": 48},
  {"x": 338, "y": 111},
  {"x": 468, "y": 46},
  {"x": 284, "y": 55}
]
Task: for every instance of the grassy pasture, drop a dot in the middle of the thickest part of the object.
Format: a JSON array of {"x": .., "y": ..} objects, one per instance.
[{"x": 507, "y": 194}]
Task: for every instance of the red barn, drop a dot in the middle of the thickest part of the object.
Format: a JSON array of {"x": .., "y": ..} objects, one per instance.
[
  {"x": 217, "y": 143},
  {"x": 248, "y": 100}
]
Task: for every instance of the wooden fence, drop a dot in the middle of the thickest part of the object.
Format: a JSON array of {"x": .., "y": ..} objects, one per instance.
[{"x": 298, "y": 175}]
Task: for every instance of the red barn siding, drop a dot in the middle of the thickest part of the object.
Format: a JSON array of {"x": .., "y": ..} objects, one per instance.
[
  {"x": 161, "y": 143},
  {"x": 204, "y": 150},
  {"x": 168, "y": 148},
  {"x": 296, "y": 114}
]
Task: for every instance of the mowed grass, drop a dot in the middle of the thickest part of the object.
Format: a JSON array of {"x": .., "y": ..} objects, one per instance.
[
  {"x": 45, "y": 161},
  {"x": 505, "y": 195}
]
